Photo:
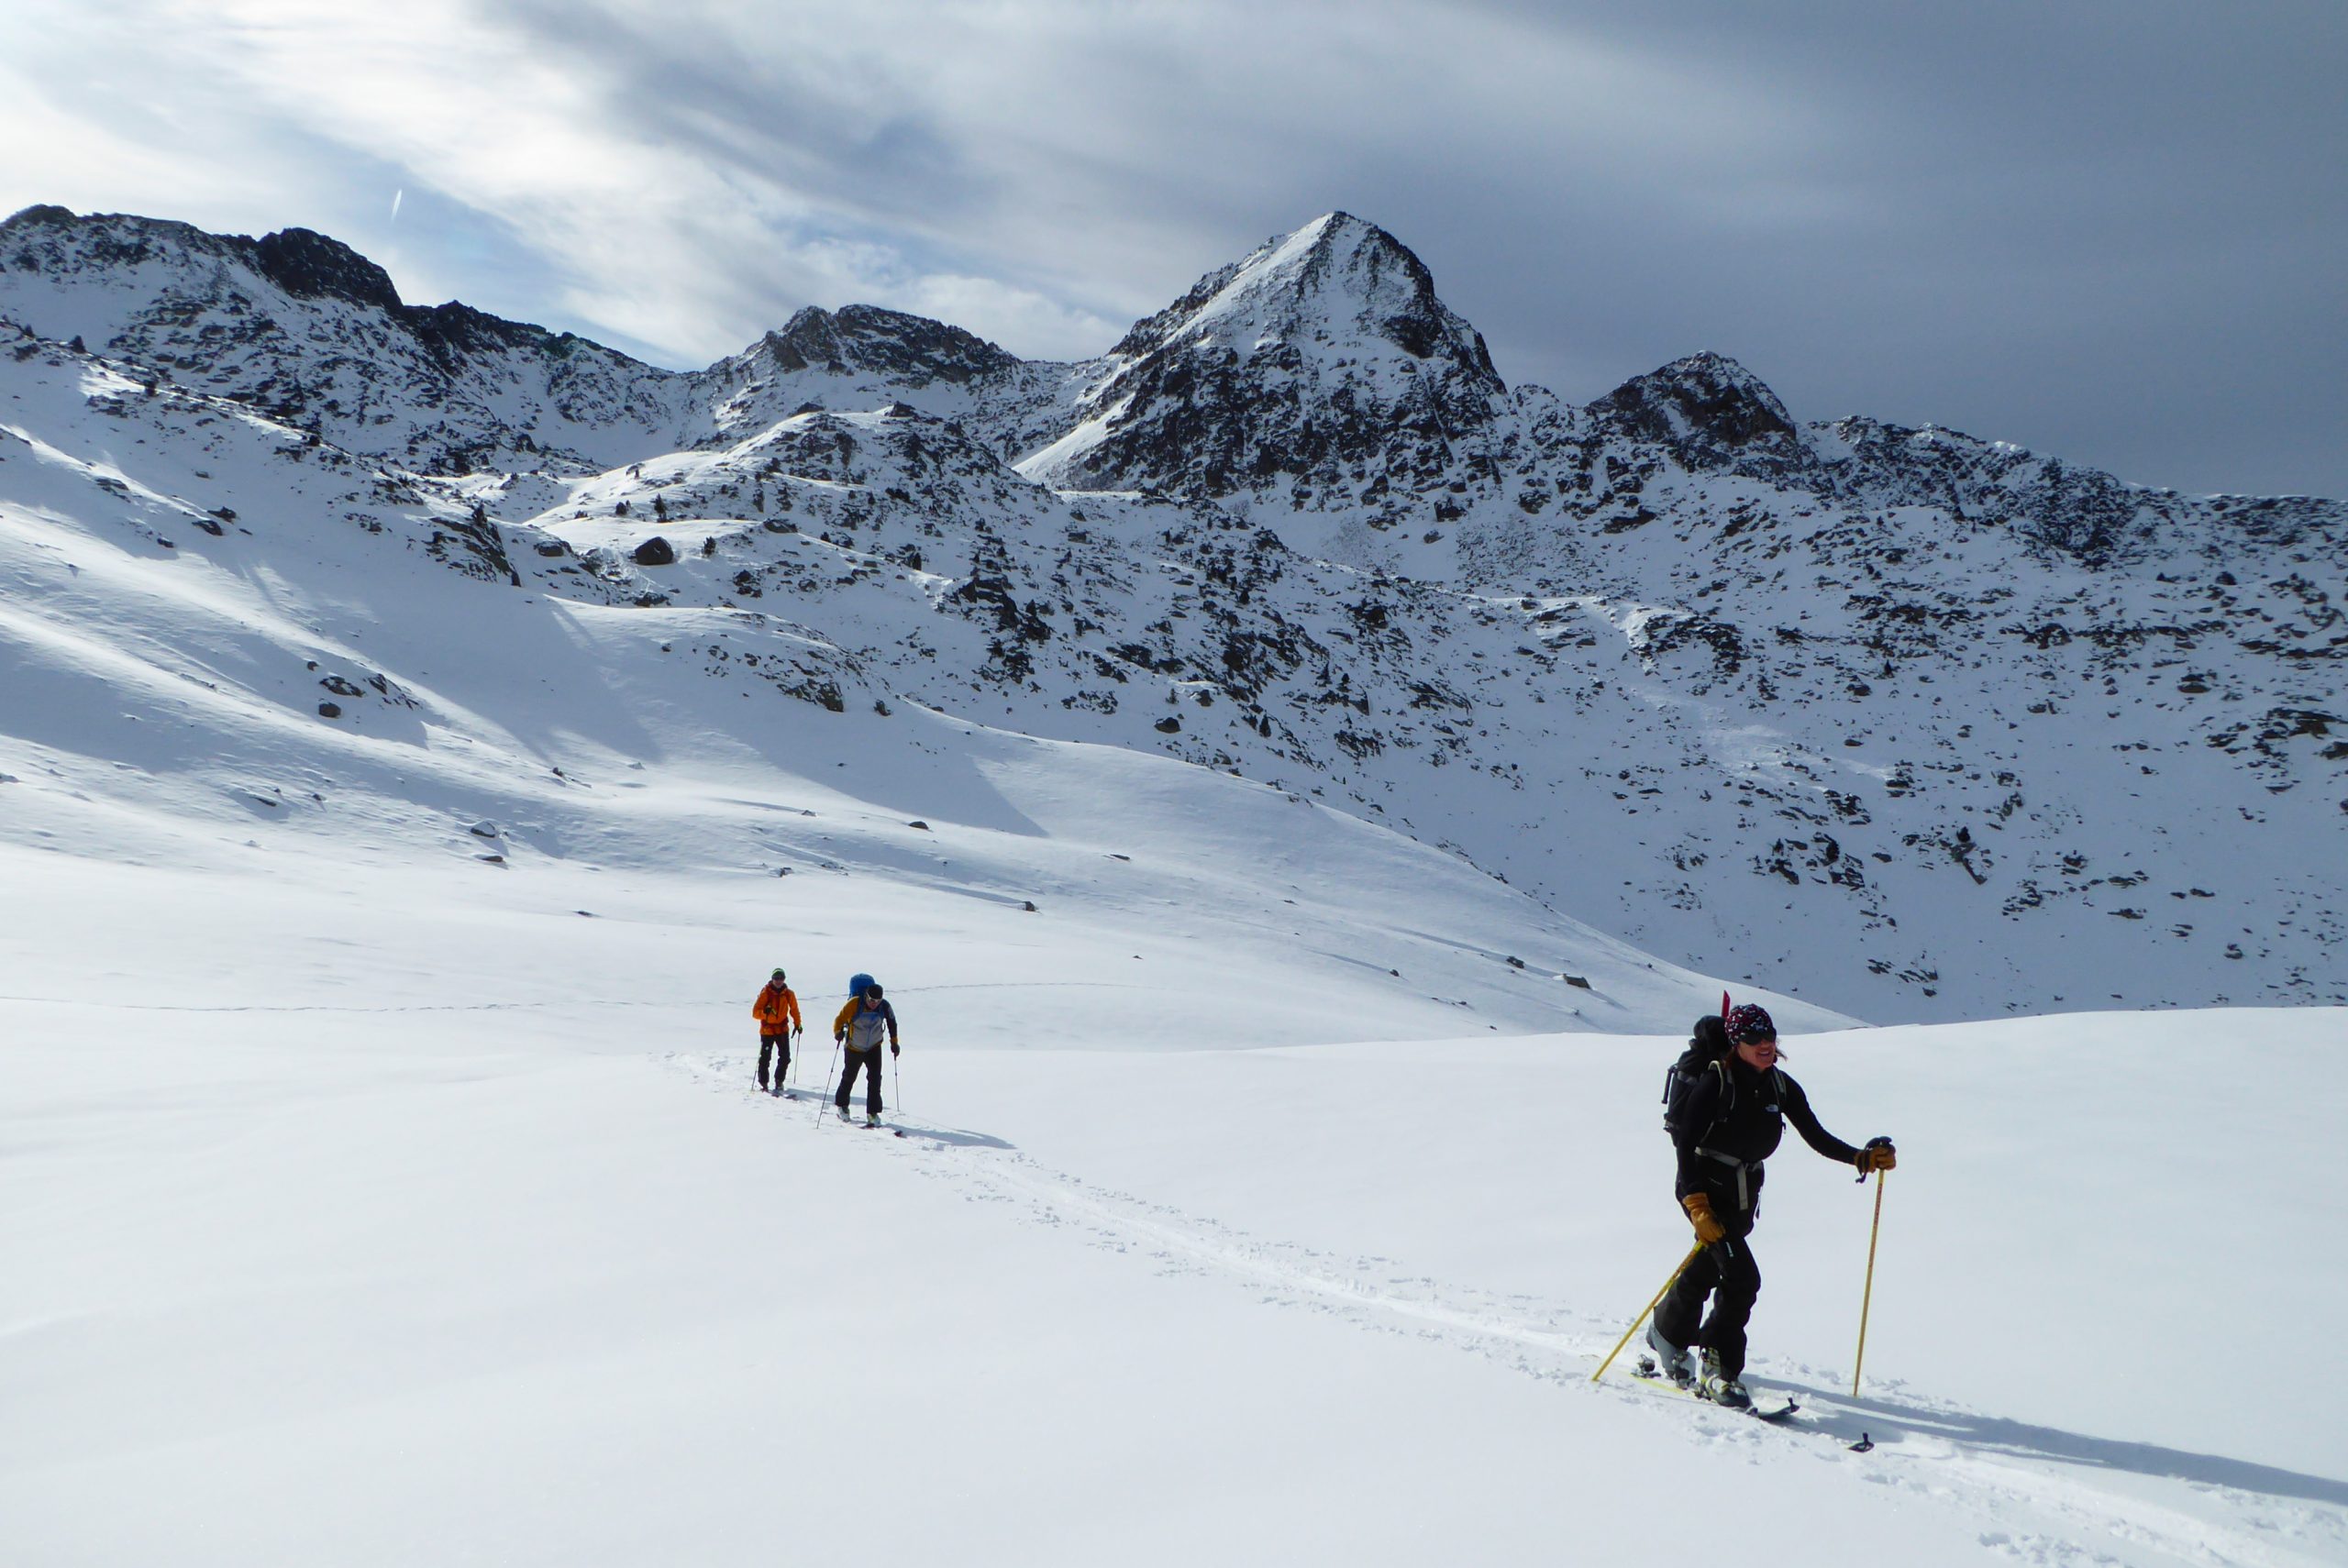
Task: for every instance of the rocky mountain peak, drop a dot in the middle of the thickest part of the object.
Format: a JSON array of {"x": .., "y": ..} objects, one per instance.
[
  {"x": 892, "y": 343},
  {"x": 1708, "y": 396},
  {"x": 305, "y": 328},
  {"x": 1321, "y": 367},
  {"x": 40, "y": 214},
  {"x": 1338, "y": 282},
  {"x": 1710, "y": 413},
  {"x": 312, "y": 266}
]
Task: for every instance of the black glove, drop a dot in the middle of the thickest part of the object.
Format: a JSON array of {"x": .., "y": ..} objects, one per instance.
[{"x": 894, "y": 1049}]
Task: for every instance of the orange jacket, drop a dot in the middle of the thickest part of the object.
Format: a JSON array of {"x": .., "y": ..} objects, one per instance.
[{"x": 777, "y": 1009}]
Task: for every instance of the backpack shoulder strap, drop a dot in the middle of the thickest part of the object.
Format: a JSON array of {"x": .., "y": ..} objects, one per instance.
[
  {"x": 1727, "y": 1097},
  {"x": 1727, "y": 1102}
]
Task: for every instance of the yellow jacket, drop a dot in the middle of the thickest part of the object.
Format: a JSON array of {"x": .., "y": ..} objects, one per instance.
[{"x": 880, "y": 1021}]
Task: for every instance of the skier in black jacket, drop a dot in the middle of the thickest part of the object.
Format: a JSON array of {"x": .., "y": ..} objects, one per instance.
[{"x": 1725, "y": 1123}]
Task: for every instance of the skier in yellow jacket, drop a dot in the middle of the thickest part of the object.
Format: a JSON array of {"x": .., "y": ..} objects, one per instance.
[
  {"x": 777, "y": 1011},
  {"x": 860, "y": 1027}
]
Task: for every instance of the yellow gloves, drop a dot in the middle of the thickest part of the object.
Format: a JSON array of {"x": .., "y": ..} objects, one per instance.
[
  {"x": 1879, "y": 1155},
  {"x": 1700, "y": 1214}
]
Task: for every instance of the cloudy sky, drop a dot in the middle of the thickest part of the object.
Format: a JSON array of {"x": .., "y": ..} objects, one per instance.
[{"x": 2111, "y": 231}]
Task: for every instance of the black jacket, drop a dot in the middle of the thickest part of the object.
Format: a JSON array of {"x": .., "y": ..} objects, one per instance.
[{"x": 1733, "y": 1111}]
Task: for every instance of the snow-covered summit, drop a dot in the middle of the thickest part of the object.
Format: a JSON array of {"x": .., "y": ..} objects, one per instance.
[
  {"x": 1339, "y": 285},
  {"x": 1321, "y": 370},
  {"x": 300, "y": 261},
  {"x": 302, "y": 326}
]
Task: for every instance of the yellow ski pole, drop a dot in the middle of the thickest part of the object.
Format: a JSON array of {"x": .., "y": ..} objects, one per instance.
[
  {"x": 1644, "y": 1311},
  {"x": 1866, "y": 1298}
]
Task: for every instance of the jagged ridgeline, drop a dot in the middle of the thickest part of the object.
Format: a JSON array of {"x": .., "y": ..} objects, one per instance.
[{"x": 1912, "y": 724}]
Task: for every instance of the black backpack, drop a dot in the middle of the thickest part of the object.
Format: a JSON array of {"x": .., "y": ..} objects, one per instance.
[{"x": 1707, "y": 1048}]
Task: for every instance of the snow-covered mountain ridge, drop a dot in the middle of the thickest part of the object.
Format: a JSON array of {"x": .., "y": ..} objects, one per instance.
[{"x": 1915, "y": 725}]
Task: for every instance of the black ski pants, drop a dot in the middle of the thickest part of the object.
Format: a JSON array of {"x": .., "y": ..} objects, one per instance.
[
  {"x": 870, "y": 1062},
  {"x": 777, "y": 1046},
  {"x": 1726, "y": 1271}
]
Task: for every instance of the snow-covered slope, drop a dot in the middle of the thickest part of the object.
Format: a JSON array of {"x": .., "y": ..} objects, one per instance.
[
  {"x": 369, "y": 1204},
  {"x": 1913, "y": 724},
  {"x": 349, "y": 664}
]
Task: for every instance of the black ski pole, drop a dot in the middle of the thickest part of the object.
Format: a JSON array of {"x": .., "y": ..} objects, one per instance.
[{"x": 827, "y": 1080}]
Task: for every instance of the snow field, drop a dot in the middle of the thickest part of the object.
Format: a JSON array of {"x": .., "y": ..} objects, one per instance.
[{"x": 366, "y": 1215}]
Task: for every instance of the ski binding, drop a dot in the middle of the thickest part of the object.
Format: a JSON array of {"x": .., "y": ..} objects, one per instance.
[{"x": 1648, "y": 1373}]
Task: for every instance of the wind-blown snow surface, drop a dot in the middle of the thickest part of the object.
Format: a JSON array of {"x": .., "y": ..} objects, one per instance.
[{"x": 402, "y": 1208}]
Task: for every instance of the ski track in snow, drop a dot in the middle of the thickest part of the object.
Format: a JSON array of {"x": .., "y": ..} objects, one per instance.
[{"x": 1998, "y": 1481}]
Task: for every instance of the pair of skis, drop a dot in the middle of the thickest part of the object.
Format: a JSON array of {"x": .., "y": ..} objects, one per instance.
[
  {"x": 1648, "y": 1373},
  {"x": 1773, "y": 1414}
]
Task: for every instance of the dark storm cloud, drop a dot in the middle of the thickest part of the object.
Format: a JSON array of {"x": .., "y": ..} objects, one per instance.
[{"x": 2110, "y": 232}]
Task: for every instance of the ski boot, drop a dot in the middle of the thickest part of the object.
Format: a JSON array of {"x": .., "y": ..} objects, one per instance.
[
  {"x": 1670, "y": 1359},
  {"x": 1719, "y": 1387}
]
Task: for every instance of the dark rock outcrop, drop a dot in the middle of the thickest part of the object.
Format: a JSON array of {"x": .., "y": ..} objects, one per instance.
[
  {"x": 912, "y": 351},
  {"x": 1710, "y": 413},
  {"x": 313, "y": 267}
]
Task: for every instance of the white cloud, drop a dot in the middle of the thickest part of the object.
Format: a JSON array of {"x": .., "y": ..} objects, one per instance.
[{"x": 689, "y": 169}]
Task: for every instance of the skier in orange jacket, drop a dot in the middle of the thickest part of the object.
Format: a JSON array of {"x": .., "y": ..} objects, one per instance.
[{"x": 777, "y": 1011}]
